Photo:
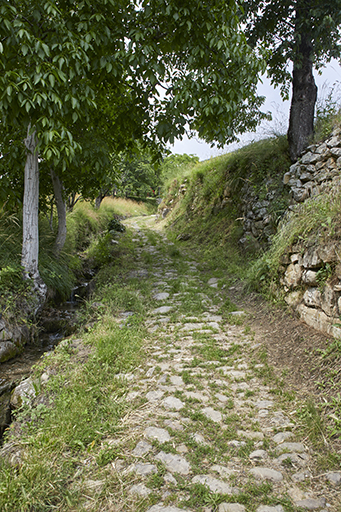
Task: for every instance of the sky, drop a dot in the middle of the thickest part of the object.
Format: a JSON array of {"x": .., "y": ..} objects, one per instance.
[{"x": 280, "y": 113}]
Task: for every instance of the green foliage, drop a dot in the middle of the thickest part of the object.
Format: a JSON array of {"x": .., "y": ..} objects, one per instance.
[{"x": 280, "y": 26}]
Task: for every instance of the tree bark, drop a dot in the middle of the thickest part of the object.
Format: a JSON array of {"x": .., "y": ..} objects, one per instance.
[
  {"x": 61, "y": 212},
  {"x": 304, "y": 94},
  {"x": 30, "y": 246}
]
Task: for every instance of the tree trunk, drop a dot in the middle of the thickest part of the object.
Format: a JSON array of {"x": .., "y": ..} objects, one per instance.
[
  {"x": 304, "y": 94},
  {"x": 30, "y": 246},
  {"x": 61, "y": 212}
]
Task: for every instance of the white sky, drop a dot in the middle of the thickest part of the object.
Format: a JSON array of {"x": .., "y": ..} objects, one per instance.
[{"x": 280, "y": 114}]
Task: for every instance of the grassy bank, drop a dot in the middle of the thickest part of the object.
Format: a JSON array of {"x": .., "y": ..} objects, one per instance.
[{"x": 87, "y": 237}]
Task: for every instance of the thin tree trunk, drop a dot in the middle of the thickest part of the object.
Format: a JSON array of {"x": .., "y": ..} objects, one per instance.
[
  {"x": 30, "y": 246},
  {"x": 304, "y": 94},
  {"x": 61, "y": 212}
]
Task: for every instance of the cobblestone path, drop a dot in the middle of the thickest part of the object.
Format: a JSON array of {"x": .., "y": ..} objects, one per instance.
[{"x": 208, "y": 428}]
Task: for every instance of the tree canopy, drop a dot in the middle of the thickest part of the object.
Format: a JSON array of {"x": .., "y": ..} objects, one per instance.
[
  {"x": 148, "y": 68},
  {"x": 304, "y": 33}
]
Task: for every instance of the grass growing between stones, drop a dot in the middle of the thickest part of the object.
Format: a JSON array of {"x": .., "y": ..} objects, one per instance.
[{"x": 66, "y": 433}]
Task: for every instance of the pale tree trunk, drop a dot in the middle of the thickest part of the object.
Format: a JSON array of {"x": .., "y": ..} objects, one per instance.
[
  {"x": 61, "y": 212},
  {"x": 30, "y": 246},
  {"x": 304, "y": 94}
]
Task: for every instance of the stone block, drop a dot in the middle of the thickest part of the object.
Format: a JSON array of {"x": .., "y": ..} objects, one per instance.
[
  {"x": 312, "y": 297},
  {"x": 293, "y": 275},
  {"x": 311, "y": 258},
  {"x": 316, "y": 318},
  {"x": 309, "y": 277}
]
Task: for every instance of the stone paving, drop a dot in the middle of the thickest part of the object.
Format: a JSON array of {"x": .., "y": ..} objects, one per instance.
[{"x": 206, "y": 420}]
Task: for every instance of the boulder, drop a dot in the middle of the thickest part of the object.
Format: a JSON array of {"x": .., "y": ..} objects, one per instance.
[{"x": 24, "y": 392}]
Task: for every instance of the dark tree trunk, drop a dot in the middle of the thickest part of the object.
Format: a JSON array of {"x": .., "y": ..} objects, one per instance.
[
  {"x": 61, "y": 212},
  {"x": 304, "y": 94}
]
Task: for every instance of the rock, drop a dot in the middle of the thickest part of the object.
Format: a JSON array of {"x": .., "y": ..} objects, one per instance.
[
  {"x": 176, "y": 381},
  {"x": 293, "y": 275},
  {"x": 266, "y": 508},
  {"x": 293, "y": 298},
  {"x": 311, "y": 258},
  {"x": 140, "y": 490},
  {"x": 309, "y": 277},
  {"x": 169, "y": 479},
  {"x": 8, "y": 350},
  {"x": 301, "y": 476},
  {"x": 280, "y": 437},
  {"x": 231, "y": 507},
  {"x": 310, "y": 158},
  {"x": 154, "y": 396},
  {"x": 311, "y": 504},
  {"x": 162, "y": 310},
  {"x": 161, "y": 508},
  {"x": 24, "y": 392},
  {"x": 141, "y": 449},
  {"x": 328, "y": 302},
  {"x": 211, "y": 414},
  {"x": 174, "y": 463},
  {"x": 316, "y": 318},
  {"x": 264, "y": 404},
  {"x": 94, "y": 486},
  {"x": 161, "y": 296},
  {"x": 293, "y": 459},
  {"x": 267, "y": 474},
  {"x": 160, "y": 434},
  {"x": 334, "y": 478},
  {"x": 258, "y": 455},
  {"x": 144, "y": 469},
  {"x": 327, "y": 252},
  {"x": 172, "y": 403},
  {"x": 214, "y": 484},
  {"x": 223, "y": 471},
  {"x": 5, "y": 411},
  {"x": 312, "y": 297}
]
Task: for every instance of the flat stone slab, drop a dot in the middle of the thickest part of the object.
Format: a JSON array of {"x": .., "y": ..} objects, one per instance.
[
  {"x": 141, "y": 449},
  {"x": 161, "y": 296},
  {"x": 236, "y": 374},
  {"x": 281, "y": 437},
  {"x": 160, "y": 434},
  {"x": 264, "y": 404},
  {"x": 251, "y": 435},
  {"x": 173, "y": 403},
  {"x": 213, "y": 280},
  {"x": 223, "y": 470},
  {"x": 266, "y": 508},
  {"x": 211, "y": 414},
  {"x": 161, "y": 508},
  {"x": 231, "y": 507},
  {"x": 193, "y": 326},
  {"x": 173, "y": 424},
  {"x": 267, "y": 474},
  {"x": 140, "y": 490},
  {"x": 301, "y": 459},
  {"x": 291, "y": 447},
  {"x": 334, "y": 477},
  {"x": 258, "y": 455},
  {"x": 176, "y": 380},
  {"x": 154, "y": 396},
  {"x": 144, "y": 469},
  {"x": 174, "y": 463},
  {"x": 196, "y": 395},
  {"x": 162, "y": 310},
  {"x": 311, "y": 504},
  {"x": 214, "y": 484}
]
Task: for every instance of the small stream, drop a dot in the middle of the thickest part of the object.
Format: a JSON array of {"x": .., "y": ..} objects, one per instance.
[{"x": 56, "y": 323}]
